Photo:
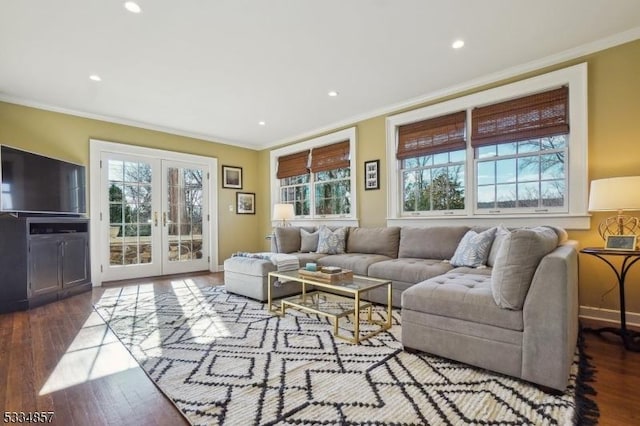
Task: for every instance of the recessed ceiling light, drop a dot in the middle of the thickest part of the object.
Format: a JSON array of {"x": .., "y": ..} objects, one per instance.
[
  {"x": 262, "y": 123},
  {"x": 95, "y": 77},
  {"x": 457, "y": 44},
  {"x": 332, "y": 93},
  {"x": 132, "y": 7}
]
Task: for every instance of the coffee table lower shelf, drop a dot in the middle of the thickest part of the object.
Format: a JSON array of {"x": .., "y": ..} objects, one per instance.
[{"x": 335, "y": 307}]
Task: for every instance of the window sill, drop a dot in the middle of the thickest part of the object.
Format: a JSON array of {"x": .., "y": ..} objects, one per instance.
[
  {"x": 563, "y": 221},
  {"x": 331, "y": 221}
]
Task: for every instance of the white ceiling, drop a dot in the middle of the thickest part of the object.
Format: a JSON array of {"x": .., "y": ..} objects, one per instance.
[{"x": 213, "y": 69}]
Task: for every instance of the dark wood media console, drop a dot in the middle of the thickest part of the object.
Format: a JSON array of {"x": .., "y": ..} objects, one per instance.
[{"x": 42, "y": 259}]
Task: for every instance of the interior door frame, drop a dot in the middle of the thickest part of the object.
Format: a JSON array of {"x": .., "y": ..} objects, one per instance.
[{"x": 96, "y": 149}]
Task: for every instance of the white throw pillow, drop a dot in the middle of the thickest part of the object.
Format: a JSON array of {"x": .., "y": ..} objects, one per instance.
[{"x": 473, "y": 249}]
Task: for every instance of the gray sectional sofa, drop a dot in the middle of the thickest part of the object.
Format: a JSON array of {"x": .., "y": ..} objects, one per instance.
[{"x": 518, "y": 315}]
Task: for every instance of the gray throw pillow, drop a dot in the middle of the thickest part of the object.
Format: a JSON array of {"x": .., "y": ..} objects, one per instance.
[
  {"x": 308, "y": 241},
  {"x": 287, "y": 239},
  {"x": 516, "y": 262},
  {"x": 501, "y": 234},
  {"x": 473, "y": 249},
  {"x": 331, "y": 242}
]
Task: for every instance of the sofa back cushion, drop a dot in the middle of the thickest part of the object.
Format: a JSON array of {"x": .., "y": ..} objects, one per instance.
[
  {"x": 437, "y": 242},
  {"x": 501, "y": 234},
  {"x": 518, "y": 256},
  {"x": 384, "y": 241},
  {"x": 287, "y": 239}
]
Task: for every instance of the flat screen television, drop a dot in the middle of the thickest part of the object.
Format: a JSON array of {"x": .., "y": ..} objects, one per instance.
[{"x": 33, "y": 183}]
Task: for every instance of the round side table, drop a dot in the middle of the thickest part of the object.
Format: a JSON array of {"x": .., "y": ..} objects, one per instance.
[{"x": 630, "y": 338}]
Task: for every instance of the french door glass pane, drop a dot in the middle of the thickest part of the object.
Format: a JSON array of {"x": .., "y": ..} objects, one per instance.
[
  {"x": 184, "y": 213},
  {"x": 129, "y": 212}
]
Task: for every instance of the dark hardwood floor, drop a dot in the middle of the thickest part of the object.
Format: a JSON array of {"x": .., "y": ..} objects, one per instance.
[{"x": 62, "y": 358}]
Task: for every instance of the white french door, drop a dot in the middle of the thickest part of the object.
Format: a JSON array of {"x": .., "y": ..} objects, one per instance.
[
  {"x": 155, "y": 217},
  {"x": 184, "y": 213}
]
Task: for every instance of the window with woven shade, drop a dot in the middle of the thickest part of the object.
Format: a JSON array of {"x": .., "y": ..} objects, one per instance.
[
  {"x": 520, "y": 146},
  {"x": 293, "y": 172},
  {"x": 293, "y": 164},
  {"x": 432, "y": 136},
  {"x": 329, "y": 157},
  {"x": 432, "y": 155},
  {"x": 331, "y": 167},
  {"x": 540, "y": 115},
  {"x": 317, "y": 177},
  {"x": 523, "y": 160}
]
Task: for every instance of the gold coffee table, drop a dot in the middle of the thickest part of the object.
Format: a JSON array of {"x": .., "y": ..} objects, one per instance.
[{"x": 331, "y": 305}]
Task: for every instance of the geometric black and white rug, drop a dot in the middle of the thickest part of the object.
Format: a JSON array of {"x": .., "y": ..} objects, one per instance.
[{"x": 224, "y": 360}]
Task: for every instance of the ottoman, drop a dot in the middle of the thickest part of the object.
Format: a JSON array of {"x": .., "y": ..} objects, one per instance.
[{"x": 249, "y": 277}]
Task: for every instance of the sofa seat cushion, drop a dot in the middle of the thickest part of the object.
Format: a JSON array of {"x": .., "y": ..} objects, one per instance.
[
  {"x": 357, "y": 262},
  {"x": 410, "y": 270},
  {"x": 249, "y": 266},
  {"x": 463, "y": 296},
  {"x": 305, "y": 258}
]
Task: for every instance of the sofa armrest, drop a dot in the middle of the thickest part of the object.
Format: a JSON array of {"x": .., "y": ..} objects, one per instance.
[{"x": 550, "y": 316}]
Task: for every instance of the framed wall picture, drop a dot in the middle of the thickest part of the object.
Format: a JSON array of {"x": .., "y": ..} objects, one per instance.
[
  {"x": 621, "y": 242},
  {"x": 232, "y": 177},
  {"x": 372, "y": 174},
  {"x": 245, "y": 203}
]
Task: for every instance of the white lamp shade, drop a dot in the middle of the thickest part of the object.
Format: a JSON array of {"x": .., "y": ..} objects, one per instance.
[
  {"x": 283, "y": 212},
  {"x": 614, "y": 194}
]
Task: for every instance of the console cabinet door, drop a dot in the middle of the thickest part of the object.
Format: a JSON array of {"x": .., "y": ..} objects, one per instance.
[
  {"x": 75, "y": 260},
  {"x": 44, "y": 274}
]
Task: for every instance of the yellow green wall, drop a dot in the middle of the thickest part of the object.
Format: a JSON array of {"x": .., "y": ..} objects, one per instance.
[
  {"x": 67, "y": 137},
  {"x": 614, "y": 150}
]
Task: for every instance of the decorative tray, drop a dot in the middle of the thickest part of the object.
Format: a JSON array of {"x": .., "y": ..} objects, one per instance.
[{"x": 343, "y": 275}]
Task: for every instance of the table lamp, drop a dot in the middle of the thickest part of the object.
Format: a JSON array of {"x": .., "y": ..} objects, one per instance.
[
  {"x": 616, "y": 194},
  {"x": 283, "y": 212}
]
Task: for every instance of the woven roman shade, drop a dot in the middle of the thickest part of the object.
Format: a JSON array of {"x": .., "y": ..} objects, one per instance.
[
  {"x": 432, "y": 136},
  {"x": 535, "y": 116},
  {"x": 330, "y": 157},
  {"x": 293, "y": 164}
]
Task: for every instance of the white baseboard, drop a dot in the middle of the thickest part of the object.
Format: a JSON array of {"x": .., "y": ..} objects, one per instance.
[
  {"x": 608, "y": 315},
  {"x": 219, "y": 268}
]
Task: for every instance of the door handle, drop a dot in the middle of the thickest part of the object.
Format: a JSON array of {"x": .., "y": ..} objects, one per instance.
[
  {"x": 164, "y": 219},
  {"x": 155, "y": 218}
]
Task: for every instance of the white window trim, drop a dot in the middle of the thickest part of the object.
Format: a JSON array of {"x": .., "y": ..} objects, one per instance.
[
  {"x": 338, "y": 220},
  {"x": 577, "y": 216}
]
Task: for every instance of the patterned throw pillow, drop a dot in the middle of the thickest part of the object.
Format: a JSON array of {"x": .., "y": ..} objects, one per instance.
[
  {"x": 308, "y": 241},
  {"x": 331, "y": 242},
  {"x": 473, "y": 249}
]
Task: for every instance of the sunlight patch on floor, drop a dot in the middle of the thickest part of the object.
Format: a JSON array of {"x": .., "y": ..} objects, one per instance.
[
  {"x": 94, "y": 353},
  {"x": 206, "y": 328}
]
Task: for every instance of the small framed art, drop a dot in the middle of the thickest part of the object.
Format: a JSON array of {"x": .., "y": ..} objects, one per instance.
[
  {"x": 245, "y": 203},
  {"x": 372, "y": 174},
  {"x": 232, "y": 177},
  {"x": 621, "y": 242}
]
